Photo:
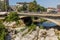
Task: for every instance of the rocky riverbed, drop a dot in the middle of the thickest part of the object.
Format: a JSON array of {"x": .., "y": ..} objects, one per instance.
[{"x": 38, "y": 34}]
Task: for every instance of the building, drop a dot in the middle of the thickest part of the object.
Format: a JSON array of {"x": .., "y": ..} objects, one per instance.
[
  {"x": 49, "y": 9},
  {"x": 58, "y": 8},
  {"x": 21, "y": 3}
]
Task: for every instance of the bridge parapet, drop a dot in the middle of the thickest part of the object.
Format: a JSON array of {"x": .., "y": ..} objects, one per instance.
[{"x": 32, "y": 14}]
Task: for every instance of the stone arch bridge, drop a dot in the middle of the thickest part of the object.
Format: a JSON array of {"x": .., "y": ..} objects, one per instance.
[{"x": 55, "y": 18}]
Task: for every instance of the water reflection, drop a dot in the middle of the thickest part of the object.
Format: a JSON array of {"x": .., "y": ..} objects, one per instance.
[{"x": 47, "y": 24}]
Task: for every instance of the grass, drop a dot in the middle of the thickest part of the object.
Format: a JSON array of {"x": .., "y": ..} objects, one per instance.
[
  {"x": 2, "y": 31},
  {"x": 41, "y": 27},
  {"x": 23, "y": 29},
  {"x": 58, "y": 38},
  {"x": 42, "y": 20},
  {"x": 30, "y": 29}
]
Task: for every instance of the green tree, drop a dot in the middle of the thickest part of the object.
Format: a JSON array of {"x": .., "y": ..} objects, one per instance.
[
  {"x": 33, "y": 6},
  {"x": 6, "y": 7},
  {"x": 3, "y": 6},
  {"x": 19, "y": 9},
  {"x": 35, "y": 2},
  {"x": 0, "y": 4},
  {"x": 38, "y": 8},
  {"x": 42, "y": 8},
  {"x": 24, "y": 7}
]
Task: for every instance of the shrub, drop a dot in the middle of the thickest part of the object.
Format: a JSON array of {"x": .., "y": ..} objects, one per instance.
[
  {"x": 13, "y": 16},
  {"x": 2, "y": 31},
  {"x": 42, "y": 20},
  {"x": 41, "y": 27},
  {"x": 30, "y": 29}
]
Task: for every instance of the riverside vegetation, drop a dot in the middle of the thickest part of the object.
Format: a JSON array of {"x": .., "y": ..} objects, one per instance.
[
  {"x": 26, "y": 30},
  {"x": 3, "y": 31},
  {"x": 13, "y": 17},
  {"x": 12, "y": 25}
]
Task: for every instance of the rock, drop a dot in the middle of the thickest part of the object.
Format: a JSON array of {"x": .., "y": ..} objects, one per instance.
[
  {"x": 43, "y": 34},
  {"x": 42, "y": 38},
  {"x": 18, "y": 36},
  {"x": 53, "y": 38},
  {"x": 50, "y": 32},
  {"x": 21, "y": 23},
  {"x": 10, "y": 24},
  {"x": 19, "y": 28},
  {"x": 8, "y": 37},
  {"x": 47, "y": 38}
]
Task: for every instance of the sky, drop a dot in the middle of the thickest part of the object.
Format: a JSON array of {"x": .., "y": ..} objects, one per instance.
[{"x": 45, "y": 3}]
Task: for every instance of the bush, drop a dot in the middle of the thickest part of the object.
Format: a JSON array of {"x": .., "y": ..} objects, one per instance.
[
  {"x": 19, "y": 9},
  {"x": 13, "y": 16},
  {"x": 30, "y": 29},
  {"x": 41, "y": 27},
  {"x": 42, "y": 20},
  {"x": 2, "y": 31}
]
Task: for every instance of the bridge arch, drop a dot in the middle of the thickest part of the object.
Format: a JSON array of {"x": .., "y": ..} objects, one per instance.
[
  {"x": 27, "y": 20},
  {"x": 57, "y": 22}
]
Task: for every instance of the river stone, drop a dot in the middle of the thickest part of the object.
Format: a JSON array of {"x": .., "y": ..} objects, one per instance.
[
  {"x": 53, "y": 38},
  {"x": 42, "y": 38},
  {"x": 18, "y": 36},
  {"x": 50, "y": 32},
  {"x": 30, "y": 36},
  {"x": 9, "y": 23},
  {"x": 47, "y": 38},
  {"x": 41, "y": 32}
]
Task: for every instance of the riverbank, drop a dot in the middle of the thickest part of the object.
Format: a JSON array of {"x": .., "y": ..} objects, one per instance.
[{"x": 38, "y": 34}]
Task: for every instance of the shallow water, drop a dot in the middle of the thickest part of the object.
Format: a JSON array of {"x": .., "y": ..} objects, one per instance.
[{"x": 47, "y": 24}]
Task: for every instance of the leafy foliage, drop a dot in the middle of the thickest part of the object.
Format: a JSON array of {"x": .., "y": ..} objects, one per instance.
[
  {"x": 30, "y": 29},
  {"x": 34, "y": 7},
  {"x": 19, "y": 9},
  {"x": 41, "y": 27},
  {"x": 24, "y": 7},
  {"x": 13, "y": 16},
  {"x": 3, "y": 6},
  {"x": 42, "y": 8},
  {"x": 2, "y": 31},
  {"x": 42, "y": 20}
]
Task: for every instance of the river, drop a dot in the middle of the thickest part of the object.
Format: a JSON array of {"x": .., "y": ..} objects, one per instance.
[{"x": 47, "y": 24}]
